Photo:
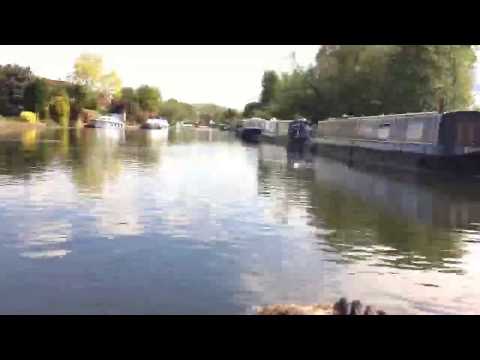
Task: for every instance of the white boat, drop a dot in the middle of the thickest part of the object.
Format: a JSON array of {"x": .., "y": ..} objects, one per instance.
[
  {"x": 108, "y": 121},
  {"x": 155, "y": 124}
]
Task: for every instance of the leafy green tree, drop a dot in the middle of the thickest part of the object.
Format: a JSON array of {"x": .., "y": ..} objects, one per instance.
[
  {"x": 111, "y": 85},
  {"x": 269, "y": 86},
  {"x": 36, "y": 97},
  {"x": 60, "y": 109},
  {"x": 128, "y": 102},
  {"x": 424, "y": 73},
  {"x": 149, "y": 98},
  {"x": 81, "y": 97},
  {"x": 88, "y": 69},
  {"x": 104, "y": 87},
  {"x": 176, "y": 111},
  {"x": 250, "y": 108},
  {"x": 229, "y": 115},
  {"x": 128, "y": 94},
  {"x": 78, "y": 94},
  {"x": 370, "y": 80},
  {"x": 13, "y": 81}
]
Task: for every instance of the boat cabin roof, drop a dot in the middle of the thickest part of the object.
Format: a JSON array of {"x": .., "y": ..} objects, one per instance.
[
  {"x": 157, "y": 120},
  {"x": 447, "y": 115},
  {"x": 110, "y": 117},
  {"x": 253, "y": 122}
]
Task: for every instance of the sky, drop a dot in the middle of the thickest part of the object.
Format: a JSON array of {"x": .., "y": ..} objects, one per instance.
[{"x": 227, "y": 75}]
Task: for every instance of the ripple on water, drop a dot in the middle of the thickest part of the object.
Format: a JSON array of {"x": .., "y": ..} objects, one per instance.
[
  {"x": 202, "y": 219},
  {"x": 44, "y": 239}
]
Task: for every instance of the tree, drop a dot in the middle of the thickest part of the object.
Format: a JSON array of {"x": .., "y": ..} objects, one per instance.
[
  {"x": 424, "y": 73},
  {"x": 81, "y": 97},
  {"x": 128, "y": 94},
  {"x": 229, "y": 115},
  {"x": 269, "y": 87},
  {"x": 89, "y": 72},
  {"x": 129, "y": 102},
  {"x": 351, "y": 79},
  {"x": 369, "y": 80},
  {"x": 36, "y": 97},
  {"x": 110, "y": 85},
  {"x": 454, "y": 75},
  {"x": 250, "y": 108},
  {"x": 149, "y": 98},
  {"x": 60, "y": 109},
  {"x": 13, "y": 81},
  {"x": 176, "y": 111},
  {"x": 88, "y": 69}
]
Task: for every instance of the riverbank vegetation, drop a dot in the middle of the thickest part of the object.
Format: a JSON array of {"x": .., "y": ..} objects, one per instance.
[
  {"x": 90, "y": 91},
  {"x": 370, "y": 80},
  {"x": 10, "y": 126}
]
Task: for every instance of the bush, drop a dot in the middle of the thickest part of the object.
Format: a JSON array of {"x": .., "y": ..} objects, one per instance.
[
  {"x": 28, "y": 116},
  {"x": 60, "y": 110}
]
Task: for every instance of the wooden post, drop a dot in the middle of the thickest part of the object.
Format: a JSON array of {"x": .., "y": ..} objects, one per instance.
[{"x": 441, "y": 105}]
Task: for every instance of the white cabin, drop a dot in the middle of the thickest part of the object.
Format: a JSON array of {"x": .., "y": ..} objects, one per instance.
[
  {"x": 158, "y": 123},
  {"x": 108, "y": 121}
]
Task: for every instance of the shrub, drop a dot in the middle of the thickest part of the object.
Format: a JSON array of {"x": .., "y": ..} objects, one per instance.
[
  {"x": 28, "y": 116},
  {"x": 60, "y": 110}
]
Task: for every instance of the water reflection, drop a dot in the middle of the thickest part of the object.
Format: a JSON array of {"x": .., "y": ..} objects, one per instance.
[
  {"x": 29, "y": 139},
  {"x": 194, "y": 221},
  {"x": 96, "y": 158},
  {"x": 45, "y": 240},
  {"x": 410, "y": 220},
  {"x": 145, "y": 146},
  {"x": 395, "y": 220}
]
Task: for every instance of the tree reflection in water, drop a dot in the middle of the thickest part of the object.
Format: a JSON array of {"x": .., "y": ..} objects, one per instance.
[{"x": 385, "y": 219}]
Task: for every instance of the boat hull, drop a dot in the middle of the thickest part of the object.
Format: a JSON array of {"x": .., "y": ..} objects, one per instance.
[
  {"x": 152, "y": 127},
  {"x": 104, "y": 125},
  {"x": 352, "y": 155},
  {"x": 250, "y": 134}
]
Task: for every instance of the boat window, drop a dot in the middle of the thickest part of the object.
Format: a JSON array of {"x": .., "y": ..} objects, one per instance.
[{"x": 384, "y": 131}]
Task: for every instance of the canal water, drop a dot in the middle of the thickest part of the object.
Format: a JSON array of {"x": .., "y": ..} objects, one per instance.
[{"x": 192, "y": 221}]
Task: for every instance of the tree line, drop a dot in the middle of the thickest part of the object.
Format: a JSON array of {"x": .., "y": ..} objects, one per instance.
[
  {"x": 90, "y": 89},
  {"x": 370, "y": 80}
]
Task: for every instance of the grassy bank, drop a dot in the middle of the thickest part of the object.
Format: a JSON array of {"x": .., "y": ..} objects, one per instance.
[{"x": 13, "y": 125}]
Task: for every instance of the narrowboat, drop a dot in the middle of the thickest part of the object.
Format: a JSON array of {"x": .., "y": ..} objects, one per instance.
[
  {"x": 429, "y": 140},
  {"x": 251, "y": 129},
  {"x": 155, "y": 124},
  {"x": 108, "y": 121},
  {"x": 299, "y": 134}
]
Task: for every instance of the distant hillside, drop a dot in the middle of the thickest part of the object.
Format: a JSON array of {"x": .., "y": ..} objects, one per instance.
[{"x": 209, "y": 108}]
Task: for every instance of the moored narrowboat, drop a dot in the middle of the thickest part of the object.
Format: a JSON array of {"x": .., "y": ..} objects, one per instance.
[
  {"x": 251, "y": 129},
  {"x": 155, "y": 124},
  {"x": 299, "y": 132},
  {"x": 429, "y": 140},
  {"x": 108, "y": 121}
]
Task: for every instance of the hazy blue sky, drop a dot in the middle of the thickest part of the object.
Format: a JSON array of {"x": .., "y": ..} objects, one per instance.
[{"x": 226, "y": 75}]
